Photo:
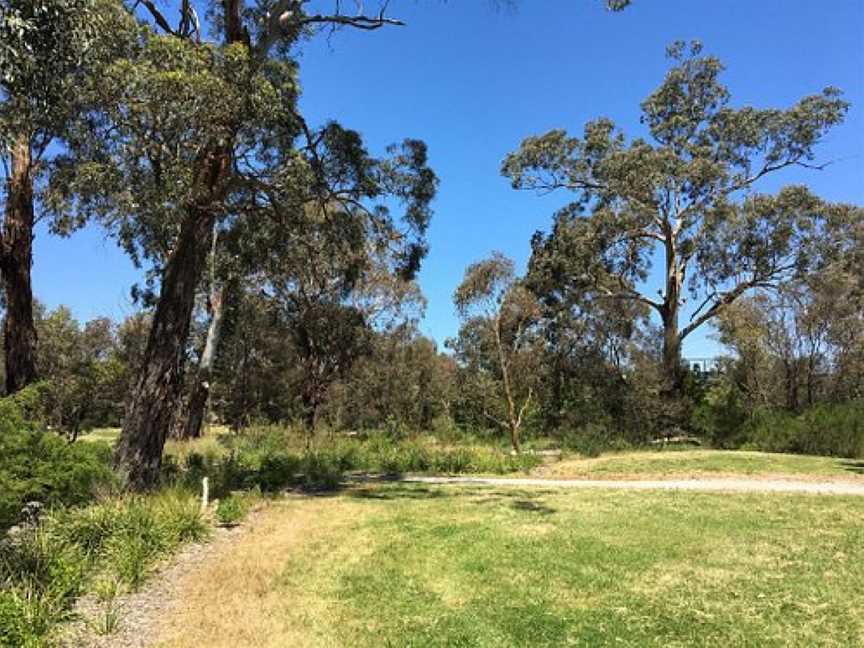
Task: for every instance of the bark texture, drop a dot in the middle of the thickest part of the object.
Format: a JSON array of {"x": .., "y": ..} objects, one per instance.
[
  {"x": 200, "y": 396},
  {"x": 151, "y": 407},
  {"x": 16, "y": 260}
]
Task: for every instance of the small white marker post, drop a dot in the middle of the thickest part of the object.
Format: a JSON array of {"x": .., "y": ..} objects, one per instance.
[{"x": 205, "y": 493}]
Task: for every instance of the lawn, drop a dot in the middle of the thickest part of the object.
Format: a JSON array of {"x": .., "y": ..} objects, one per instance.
[
  {"x": 703, "y": 463},
  {"x": 407, "y": 565}
]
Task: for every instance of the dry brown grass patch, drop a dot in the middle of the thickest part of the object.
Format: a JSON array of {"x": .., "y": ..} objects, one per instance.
[{"x": 232, "y": 601}]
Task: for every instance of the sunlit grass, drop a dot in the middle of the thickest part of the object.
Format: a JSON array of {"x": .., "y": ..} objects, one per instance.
[
  {"x": 703, "y": 463},
  {"x": 399, "y": 565}
]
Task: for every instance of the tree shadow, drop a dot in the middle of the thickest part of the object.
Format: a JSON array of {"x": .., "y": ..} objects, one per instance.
[
  {"x": 533, "y": 507},
  {"x": 852, "y": 466},
  {"x": 395, "y": 493},
  {"x": 389, "y": 490}
]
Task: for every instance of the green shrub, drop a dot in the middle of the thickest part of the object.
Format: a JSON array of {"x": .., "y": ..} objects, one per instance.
[
  {"x": 720, "y": 417},
  {"x": 230, "y": 510},
  {"x": 40, "y": 576},
  {"x": 44, "y": 568},
  {"x": 828, "y": 429},
  {"x": 321, "y": 470},
  {"x": 592, "y": 440},
  {"x": 39, "y": 465}
]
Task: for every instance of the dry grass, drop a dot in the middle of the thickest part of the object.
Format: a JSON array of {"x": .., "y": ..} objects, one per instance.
[
  {"x": 248, "y": 599},
  {"x": 683, "y": 464}
]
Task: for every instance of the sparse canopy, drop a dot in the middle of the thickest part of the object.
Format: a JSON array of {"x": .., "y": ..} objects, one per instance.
[
  {"x": 491, "y": 300},
  {"x": 684, "y": 196}
]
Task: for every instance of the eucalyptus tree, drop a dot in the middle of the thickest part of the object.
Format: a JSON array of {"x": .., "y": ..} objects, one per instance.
[
  {"x": 493, "y": 303},
  {"x": 46, "y": 48},
  {"x": 687, "y": 195},
  {"x": 188, "y": 131},
  {"x": 345, "y": 250}
]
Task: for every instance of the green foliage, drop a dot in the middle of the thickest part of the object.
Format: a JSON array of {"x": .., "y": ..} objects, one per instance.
[
  {"x": 828, "y": 429},
  {"x": 230, "y": 510},
  {"x": 592, "y": 440},
  {"x": 37, "y": 465},
  {"x": 720, "y": 417},
  {"x": 40, "y": 576},
  {"x": 273, "y": 458},
  {"x": 683, "y": 195},
  {"x": 43, "y": 569}
]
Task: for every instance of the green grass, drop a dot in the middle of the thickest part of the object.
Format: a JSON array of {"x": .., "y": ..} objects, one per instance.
[
  {"x": 401, "y": 565},
  {"x": 707, "y": 463},
  {"x": 107, "y": 435}
]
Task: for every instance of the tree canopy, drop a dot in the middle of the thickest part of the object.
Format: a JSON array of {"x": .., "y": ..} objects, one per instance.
[{"x": 685, "y": 197}]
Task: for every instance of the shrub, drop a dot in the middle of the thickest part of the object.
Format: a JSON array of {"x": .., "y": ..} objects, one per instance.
[
  {"x": 39, "y": 465},
  {"x": 592, "y": 440},
  {"x": 40, "y": 576},
  {"x": 230, "y": 511},
  {"x": 829, "y": 429},
  {"x": 44, "y": 568},
  {"x": 720, "y": 417}
]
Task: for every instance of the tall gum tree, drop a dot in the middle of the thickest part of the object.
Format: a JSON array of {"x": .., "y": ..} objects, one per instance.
[
  {"x": 345, "y": 264},
  {"x": 185, "y": 127},
  {"x": 47, "y": 46},
  {"x": 686, "y": 196}
]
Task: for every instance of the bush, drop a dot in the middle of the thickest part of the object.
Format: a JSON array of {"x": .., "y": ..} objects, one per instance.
[
  {"x": 39, "y": 465},
  {"x": 720, "y": 417},
  {"x": 40, "y": 576},
  {"x": 230, "y": 511},
  {"x": 592, "y": 440},
  {"x": 272, "y": 458},
  {"x": 835, "y": 430},
  {"x": 44, "y": 568}
]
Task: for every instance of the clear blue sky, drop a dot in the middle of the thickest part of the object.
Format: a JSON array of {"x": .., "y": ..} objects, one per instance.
[{"x": 472, "y": 81}]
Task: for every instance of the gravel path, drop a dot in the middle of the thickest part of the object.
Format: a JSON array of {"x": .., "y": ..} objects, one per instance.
[
  {"x": 738, "y": 485},
  {"x": 140, "y": 613}
]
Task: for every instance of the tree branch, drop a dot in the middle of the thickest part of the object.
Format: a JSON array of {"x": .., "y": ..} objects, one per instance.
[
  {"x": 156, "y": 14},
  {"x": 287, "y": 14}
]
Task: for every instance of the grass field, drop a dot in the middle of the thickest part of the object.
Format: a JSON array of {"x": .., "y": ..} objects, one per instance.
[
  {"x": 399, "y": 565},
  {"x": 703, "y": 463}
]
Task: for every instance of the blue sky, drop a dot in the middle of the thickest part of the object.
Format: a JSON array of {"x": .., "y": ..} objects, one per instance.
[{"x": 473, "y": 81}]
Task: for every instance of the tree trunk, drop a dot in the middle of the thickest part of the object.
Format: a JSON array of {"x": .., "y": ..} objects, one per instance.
[
  {"x": 16, "y": 260},
  {"x": 150, "y": 411},
  {"x": 197, "y": 407},
  {"x": 151, "y": 407},
  {"x": 672, "y": 354},
  {"x": 670, "y": 311},
  {"x": 512, "y": 418}
]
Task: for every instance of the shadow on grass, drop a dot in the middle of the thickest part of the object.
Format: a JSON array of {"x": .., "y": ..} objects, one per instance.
[
  {"x": 520, "y": 500},
  {"x": 533, "y": 507},
  {"x": 852, "y": 466}
]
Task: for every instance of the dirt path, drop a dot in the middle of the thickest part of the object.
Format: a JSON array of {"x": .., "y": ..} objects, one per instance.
[
  {"x": 140, "y": 614},
  {"x": 737, "y": 485}
]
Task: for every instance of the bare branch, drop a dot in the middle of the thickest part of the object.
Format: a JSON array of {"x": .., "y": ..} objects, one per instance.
[
  {"x": 157, "y": 16},
  {"x": 287, "y": 15}
]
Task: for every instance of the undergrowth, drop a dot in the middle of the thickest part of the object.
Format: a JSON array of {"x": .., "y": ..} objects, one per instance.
[{"x": 44, "y": 568}]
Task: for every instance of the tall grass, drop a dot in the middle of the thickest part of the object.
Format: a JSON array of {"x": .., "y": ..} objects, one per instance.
[
  {"x": 43, "y": 569},
  {"x": 273, "y": 458}
]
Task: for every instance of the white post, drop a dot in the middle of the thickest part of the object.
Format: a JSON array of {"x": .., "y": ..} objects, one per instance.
[{"x": 205, "y": 493}]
